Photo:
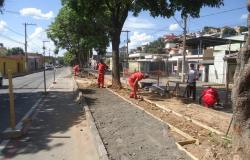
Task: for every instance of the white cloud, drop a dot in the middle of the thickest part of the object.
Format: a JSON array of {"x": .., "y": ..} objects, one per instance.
[
  {"x": 138, "y": 39},
  {"x": 37, "y": 33},
  {"x": 3, "y": 24},
  {"x": 36, "y": 13},
  {"x": 243, "y": 16},
  {"x": 173, "y": 27},
  {"x": 138, "y": 23}
]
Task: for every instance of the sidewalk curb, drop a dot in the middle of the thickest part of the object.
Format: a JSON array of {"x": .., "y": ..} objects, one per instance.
[{"x": 99, "y": 145}]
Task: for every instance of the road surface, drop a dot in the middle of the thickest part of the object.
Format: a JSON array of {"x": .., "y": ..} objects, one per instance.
[{"x": 27, "y": 90}]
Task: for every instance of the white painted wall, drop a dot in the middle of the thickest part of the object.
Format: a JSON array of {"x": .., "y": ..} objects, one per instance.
[{"x": 217, "y": 71}]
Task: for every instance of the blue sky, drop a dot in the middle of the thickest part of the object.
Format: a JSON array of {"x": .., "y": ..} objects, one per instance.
[{"x": 143, "y": 28}]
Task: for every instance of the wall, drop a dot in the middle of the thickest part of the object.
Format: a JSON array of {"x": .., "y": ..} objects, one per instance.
[
  {"x": 16, "y": 65},
  {"x": 133, "y": 66},
  {"x": 217, "y": 71}
]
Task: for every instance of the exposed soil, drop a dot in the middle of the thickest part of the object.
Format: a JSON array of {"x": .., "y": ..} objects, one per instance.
[{"x": 212, "y": 146}]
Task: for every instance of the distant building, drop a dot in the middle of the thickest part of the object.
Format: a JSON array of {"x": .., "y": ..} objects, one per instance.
[{"x": 35, "y": 61}]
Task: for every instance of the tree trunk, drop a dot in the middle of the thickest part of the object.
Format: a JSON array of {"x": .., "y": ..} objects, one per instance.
[
  {"x": 241, "y": 103},
  {"x": 116, "y": 83}
]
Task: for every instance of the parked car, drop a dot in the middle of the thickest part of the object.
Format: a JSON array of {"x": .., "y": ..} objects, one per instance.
[
  {"x": 1, "y": 79},
  {"x": 49, "y": 67}
]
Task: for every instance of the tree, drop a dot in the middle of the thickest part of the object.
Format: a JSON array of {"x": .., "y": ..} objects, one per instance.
[
  {"x": 15, "y": 51},
  {"x": 155, "y": 47},
  {"x": 1, "y": 4},
  {"x": 243, "y": 29},
  {"x": 228, "y": 31},
  {"x": 76, "y": 34},
  {"x": 68, "y": 58},
  {"x": 115, "y": 12},
  {"x": 241, "y": 101}
]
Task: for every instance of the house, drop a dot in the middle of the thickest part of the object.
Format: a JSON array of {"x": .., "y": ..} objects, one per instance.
[
  {"x": 15, "y": 64},
  {"x": 35, "y": 61},
  {"x": 207, "y": 53}
]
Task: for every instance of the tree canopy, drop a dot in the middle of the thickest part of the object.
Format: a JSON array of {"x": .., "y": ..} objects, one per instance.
[
  {"x": 77, "y": 34},
  {"x": 15, "y": 51},
  {"x": 155, "y": 47},
  {"x": 1, "y": 5}
]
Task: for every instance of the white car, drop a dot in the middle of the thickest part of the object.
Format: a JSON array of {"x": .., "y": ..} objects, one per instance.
[
  {"x": 1, "y": 79},
  {"x": 49, "y": 67}
]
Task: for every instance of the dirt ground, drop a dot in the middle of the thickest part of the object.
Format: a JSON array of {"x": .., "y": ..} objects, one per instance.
[{"x": 212, "y": 146}]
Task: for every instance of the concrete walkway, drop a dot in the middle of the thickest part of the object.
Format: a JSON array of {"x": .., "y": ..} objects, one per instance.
[
  {"x": 129, "y": 133},
  {"x": 59, "y": 130}
]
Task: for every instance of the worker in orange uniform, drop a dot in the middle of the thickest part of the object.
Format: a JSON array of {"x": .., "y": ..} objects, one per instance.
[
  {"x": 209, "y": 97},
  {"x": 76, "y": 69},
  {"x": 101, "y": 67},
  {"x": 133, "y": 83}
]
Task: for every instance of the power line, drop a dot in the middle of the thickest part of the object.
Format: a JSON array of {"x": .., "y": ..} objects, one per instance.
[
  {"x": 13, "y": 40},
  {"x": 20, "y": 34},
  {"x": 225, "y": 11}
]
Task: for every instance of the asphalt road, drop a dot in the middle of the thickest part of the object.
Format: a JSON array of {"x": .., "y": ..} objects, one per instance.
[{"x": 27, "y": 90}]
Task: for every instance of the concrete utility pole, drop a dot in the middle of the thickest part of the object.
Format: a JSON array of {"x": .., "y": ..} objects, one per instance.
[
  {"x": 184, "y": 49},
  {"x": 26, "y": 44},
  {"x": 44, "y": 75}
]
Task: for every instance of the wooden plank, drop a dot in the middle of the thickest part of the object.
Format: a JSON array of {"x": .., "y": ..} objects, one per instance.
[
  {"x": 182, "y": 143},
  {"x": 187, "y": 118},
  {"x": 188, "y": 153}
]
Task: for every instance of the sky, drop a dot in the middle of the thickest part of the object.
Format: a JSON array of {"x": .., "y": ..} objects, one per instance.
[{"x": 143, "y": 28}]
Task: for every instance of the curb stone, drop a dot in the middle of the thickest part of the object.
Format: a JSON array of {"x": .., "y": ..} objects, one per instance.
[{"x": 99, "y": 145}]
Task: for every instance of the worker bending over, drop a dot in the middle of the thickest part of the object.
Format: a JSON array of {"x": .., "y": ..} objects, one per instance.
[
  {"x": 101, "y": 67},
  {"x": 209, "y": 97},
  {"x": 133, "y": 83}
]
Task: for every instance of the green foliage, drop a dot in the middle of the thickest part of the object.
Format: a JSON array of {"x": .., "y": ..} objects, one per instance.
[
  {"x": 15, "y": 51},
  {"x": 228, "y": 31},
  {"x": 77, "y": 34},
  {"x": 60, "y": 60},
  {"x": 68, "y": 58},
  {"x": 208, "y": 29},
  {"x": 155, "y": 47},
  {"x": 1, "y": 5},
  {"x": 243, "y": 29}
]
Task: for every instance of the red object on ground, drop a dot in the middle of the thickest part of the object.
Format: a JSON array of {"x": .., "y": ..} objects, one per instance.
[
  {"x": 134, "y": 87},
  {"x": 76, "y": 69},
  {"x": 209, "y": 97},
  {"x": 101, "y": 70}
]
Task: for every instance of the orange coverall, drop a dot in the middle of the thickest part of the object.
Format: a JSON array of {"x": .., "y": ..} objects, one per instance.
[
  {"x": 101, "y": 70},
  {"x": 209, "y": 97},
  {"x": 76, "y": 69},
  {"x": 133, "y": 83}
]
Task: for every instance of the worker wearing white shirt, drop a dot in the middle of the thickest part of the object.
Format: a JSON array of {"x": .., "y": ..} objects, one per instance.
[{"x": 192, "y": 77}]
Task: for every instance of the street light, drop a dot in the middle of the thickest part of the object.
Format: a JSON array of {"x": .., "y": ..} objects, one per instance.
[{"x": 44, "y": 75}]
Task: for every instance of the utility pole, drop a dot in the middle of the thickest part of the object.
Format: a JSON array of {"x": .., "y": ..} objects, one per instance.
[
  {"x": 184, "y": 49},
  {"x": 127, "y": 48},
  {"x": 26, "y": 44},
  {"x": 49, "y": 55},
  {"x": 44, "y": 75}
]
